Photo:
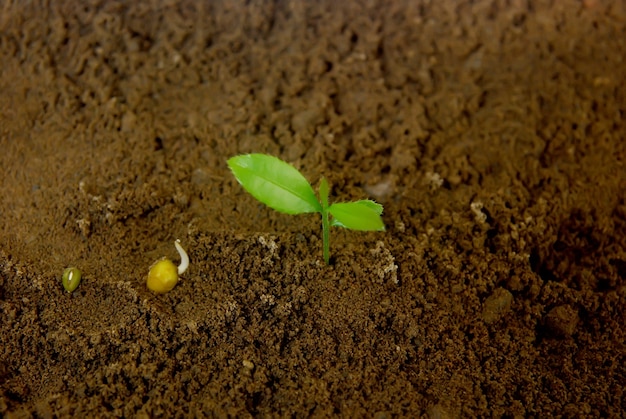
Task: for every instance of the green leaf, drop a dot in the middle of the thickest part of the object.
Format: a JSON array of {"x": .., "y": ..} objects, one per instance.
[
  {"x": 274, "y": 182},
  {"x": 360, "y": 215}
]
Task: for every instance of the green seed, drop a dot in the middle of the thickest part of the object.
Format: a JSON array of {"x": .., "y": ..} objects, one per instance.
[{"x": 71, "y": 279}]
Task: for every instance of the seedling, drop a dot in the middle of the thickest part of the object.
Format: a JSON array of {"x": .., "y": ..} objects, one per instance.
[{"x": 282, "y": 187}]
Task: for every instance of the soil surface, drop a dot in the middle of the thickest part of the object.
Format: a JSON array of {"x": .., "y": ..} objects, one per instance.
[{"x": 492, "y": 132}]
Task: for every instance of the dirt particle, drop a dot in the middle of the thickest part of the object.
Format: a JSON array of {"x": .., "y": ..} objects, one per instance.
[
  {"x": 306, "y": 120},
  {"x": 129, "y": 121},
  {"x": 386, "y": 263},
  {"x": 562, "y": 320},
  {"x": 438, "y": 412},
  {"x": 381, "y": 190},
  {"x": 433, "y": 180},
  {"x": 497, "y": 305},
  {"x": 477, "y": 209}
]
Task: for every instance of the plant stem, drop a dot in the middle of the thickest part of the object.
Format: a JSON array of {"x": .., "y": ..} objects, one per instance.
[
  {"x": 325, "y": 236},
  {"x": 323, "y": 192}
]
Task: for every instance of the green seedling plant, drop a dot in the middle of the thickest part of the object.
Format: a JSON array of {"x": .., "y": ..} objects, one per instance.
[{"x": 283, "y": 188}]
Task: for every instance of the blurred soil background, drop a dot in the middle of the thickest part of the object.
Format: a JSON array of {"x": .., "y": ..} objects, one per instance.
[{"x": 492, "y": 131}]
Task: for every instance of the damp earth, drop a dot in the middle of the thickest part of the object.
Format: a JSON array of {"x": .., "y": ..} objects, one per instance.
[{"x": 492, "y": 132}]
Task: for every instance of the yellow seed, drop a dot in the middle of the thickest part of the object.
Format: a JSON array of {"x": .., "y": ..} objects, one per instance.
[{"x": 162, "y": 277}]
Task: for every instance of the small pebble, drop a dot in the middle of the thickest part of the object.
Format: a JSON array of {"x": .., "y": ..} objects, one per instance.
[{"x": 562, "y": 320}]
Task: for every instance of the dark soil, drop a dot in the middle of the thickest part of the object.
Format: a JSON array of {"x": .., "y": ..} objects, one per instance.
[{"x": 492, "y": 132}]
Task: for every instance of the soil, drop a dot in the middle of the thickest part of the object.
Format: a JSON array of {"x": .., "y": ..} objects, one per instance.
[{"x": 492, "y": 132}]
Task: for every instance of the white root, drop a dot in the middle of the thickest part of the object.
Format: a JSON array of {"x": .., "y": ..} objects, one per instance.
[{"x": 184, "y": 259}]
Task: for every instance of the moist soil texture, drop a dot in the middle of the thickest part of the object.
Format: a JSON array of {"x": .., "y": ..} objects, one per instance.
[{"x": 492, "y": 132}]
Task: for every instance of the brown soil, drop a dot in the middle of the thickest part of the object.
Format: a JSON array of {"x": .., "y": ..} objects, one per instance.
[{"x": 492, "y": 131}]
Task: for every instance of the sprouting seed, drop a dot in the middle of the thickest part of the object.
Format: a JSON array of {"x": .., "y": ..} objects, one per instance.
[
  {"x": 71, "y": 279},
  {"x": 163, "y": 275}
]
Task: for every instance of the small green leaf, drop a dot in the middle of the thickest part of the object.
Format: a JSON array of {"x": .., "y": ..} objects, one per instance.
[
  {"x": 360, "y": 215},
  {"x": 274, "y": 182}
]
